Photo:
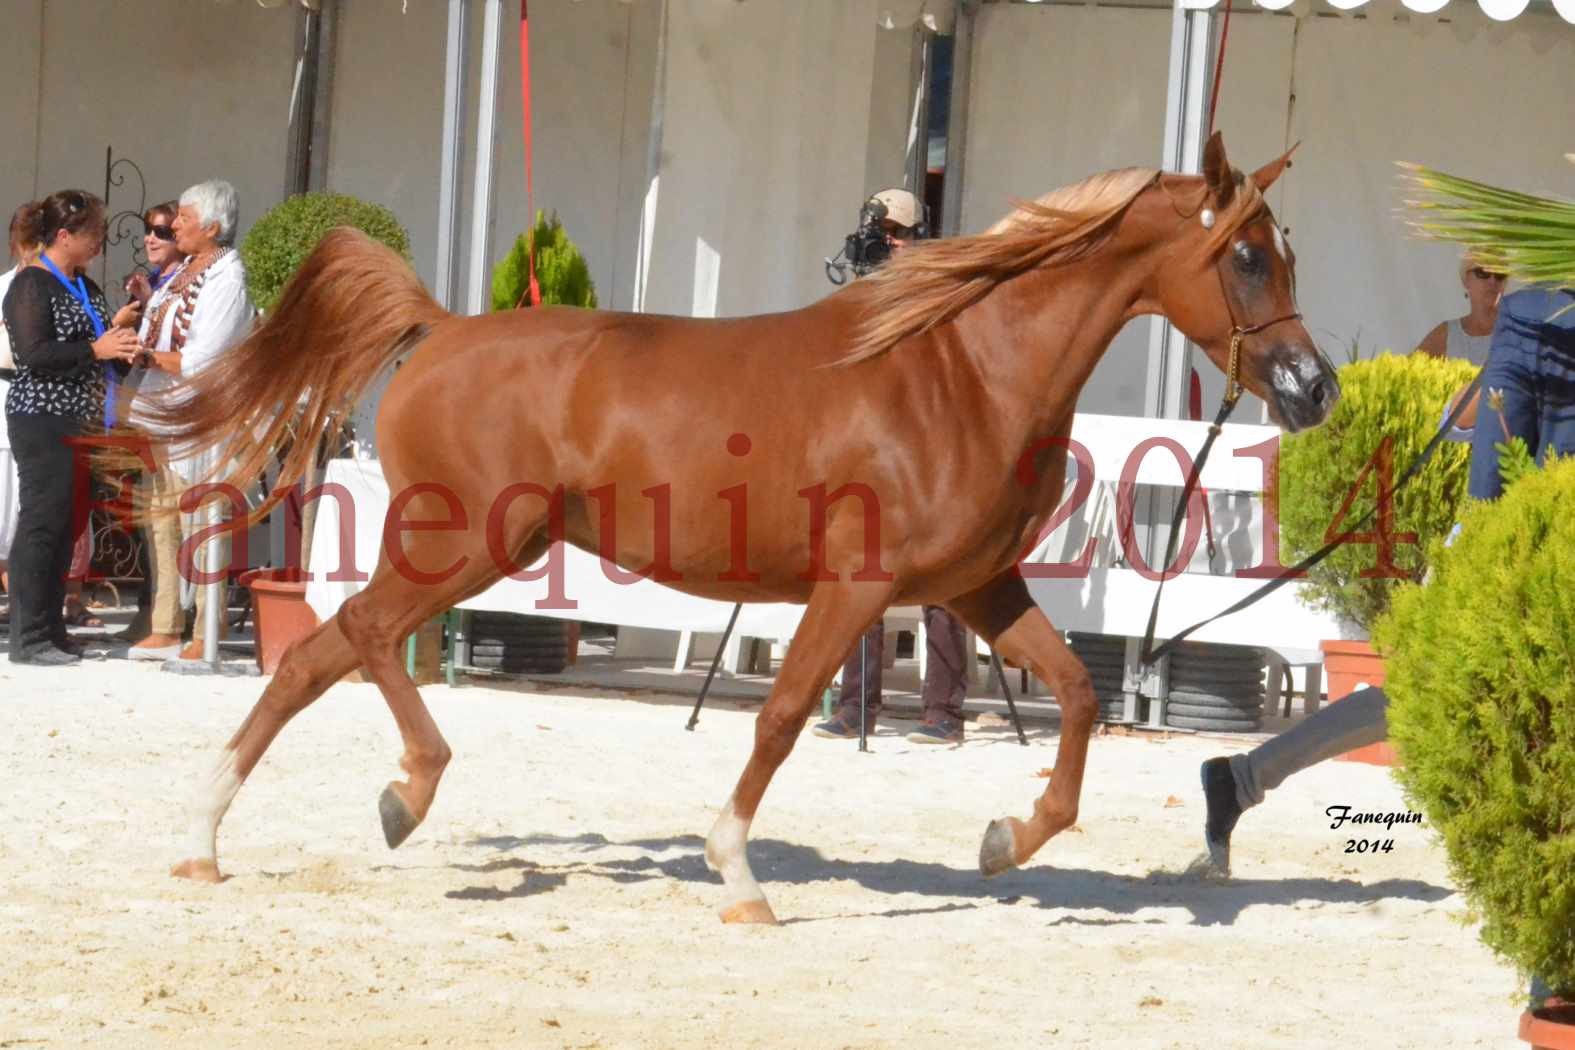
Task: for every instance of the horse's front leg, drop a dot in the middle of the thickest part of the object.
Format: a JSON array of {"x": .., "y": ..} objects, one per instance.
[
  {"x": 837, "y": 614},
  {"x": 1003, "y": 613}
]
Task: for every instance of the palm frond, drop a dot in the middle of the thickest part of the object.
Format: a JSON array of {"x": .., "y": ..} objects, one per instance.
[{"x": 1530, "y": 238}]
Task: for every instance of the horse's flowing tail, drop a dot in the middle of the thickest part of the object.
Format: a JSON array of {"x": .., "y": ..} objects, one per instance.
[{"x": 350, "y": 310}]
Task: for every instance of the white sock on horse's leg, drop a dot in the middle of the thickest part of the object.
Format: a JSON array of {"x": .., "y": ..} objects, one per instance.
[
  {"x": 209, "y": 803},
  {"x": 726, "y": 851}
]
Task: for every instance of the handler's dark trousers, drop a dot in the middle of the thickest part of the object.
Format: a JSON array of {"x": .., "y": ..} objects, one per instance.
[
  {"x": 944, "y": 682},
  {"x": 45, "y": 529},
  {"x": 1359, "y": 719}
]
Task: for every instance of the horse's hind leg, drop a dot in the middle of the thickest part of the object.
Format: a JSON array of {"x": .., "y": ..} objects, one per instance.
[
  {"x": 307, "y": 670},
  {"x": 835, "y": 617},
  {"x": 1003, "y": 613}
]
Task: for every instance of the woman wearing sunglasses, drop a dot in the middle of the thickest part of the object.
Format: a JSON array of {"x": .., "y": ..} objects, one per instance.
[
  {"x": 63, "y": 339},
  {"x": 158, "y": 241},
  {"x": 164, "y": 258},
  {"x": 1468, "y": 337}
]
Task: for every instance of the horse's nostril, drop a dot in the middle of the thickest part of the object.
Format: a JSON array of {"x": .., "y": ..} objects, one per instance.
[{"x": 1320, "y": 392}]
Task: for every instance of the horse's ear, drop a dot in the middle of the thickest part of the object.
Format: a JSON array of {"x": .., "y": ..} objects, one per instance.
[
  {"x": 1216, "y": 171},
  {"x": 1267, "y": 175}
]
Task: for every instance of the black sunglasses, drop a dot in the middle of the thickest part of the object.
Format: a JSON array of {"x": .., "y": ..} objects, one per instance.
[
  {"x": 160, "y": 231},
  {"x": 1483, "y": 274}
]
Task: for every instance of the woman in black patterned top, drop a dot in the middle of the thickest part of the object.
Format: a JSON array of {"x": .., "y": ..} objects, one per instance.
[{"x": 63, "y": 340}]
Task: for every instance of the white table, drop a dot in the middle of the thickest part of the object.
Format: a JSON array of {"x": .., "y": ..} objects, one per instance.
[{"x": 596, "y": 598}]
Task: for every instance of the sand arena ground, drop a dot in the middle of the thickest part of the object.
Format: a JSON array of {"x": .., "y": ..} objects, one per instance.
[{"x": 557, "y": 897}]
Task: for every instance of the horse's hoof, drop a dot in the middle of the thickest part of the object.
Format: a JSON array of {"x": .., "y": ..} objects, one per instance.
[
  {"x": 203, "y": 870},
  {"x": 998, "y": 851},
  {"x": 398, "y": 821},
  {"x": 756, "y": 911}
]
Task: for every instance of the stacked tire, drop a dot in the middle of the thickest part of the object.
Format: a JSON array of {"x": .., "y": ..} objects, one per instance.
[
  {"x": 1105, "y": 657},
  {"x": 1217, "y": 688},
  {"x": 515, "y": 644}
]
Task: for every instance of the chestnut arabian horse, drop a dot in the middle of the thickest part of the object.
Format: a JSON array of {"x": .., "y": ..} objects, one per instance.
[{"x": 899, "y": 442}]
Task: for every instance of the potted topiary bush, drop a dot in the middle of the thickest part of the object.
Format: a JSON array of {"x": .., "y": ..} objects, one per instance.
[
  {"x": 1482, "y": 712},
  {"x": 562, "y": 276},
  {"x": 279, "y": 242},
  {"x": 272, "y": 250},
  {"x": 1329, "y": 477},
  {"x": 563, "y": 279}
]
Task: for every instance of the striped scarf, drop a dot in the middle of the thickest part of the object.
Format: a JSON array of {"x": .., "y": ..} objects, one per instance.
[{"x": 184, "y": 288}]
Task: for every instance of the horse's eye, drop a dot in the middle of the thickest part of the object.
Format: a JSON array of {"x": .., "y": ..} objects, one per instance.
[{"x": 1247, "y": 258}]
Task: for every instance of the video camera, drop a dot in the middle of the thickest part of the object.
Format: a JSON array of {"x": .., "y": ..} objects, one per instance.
[{"x": 867, "y": 247}]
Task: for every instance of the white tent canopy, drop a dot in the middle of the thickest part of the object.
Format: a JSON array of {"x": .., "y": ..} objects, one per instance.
[{"x": 1498, "y": 10}]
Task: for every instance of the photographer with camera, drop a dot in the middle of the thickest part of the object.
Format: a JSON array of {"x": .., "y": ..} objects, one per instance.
[{"x": 888, "y": 222}]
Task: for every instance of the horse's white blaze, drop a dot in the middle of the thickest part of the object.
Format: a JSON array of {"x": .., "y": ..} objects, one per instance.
[
  {"x": 725, "y": 852},
  {"x": 1285, "y": 257},
  {"x": 212, "y": 798}
]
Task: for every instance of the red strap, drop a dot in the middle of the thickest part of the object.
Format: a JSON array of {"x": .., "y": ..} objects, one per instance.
[
  {"x": 533, "y": 289},
  {"x": 1219, "y": 67}
]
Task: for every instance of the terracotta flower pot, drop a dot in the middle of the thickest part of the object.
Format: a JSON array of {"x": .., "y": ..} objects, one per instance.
[
  {"x": 283, "y": 617},
  {"x": 1347, "y": 667},
  {"x": 1550, "y": 1028}
]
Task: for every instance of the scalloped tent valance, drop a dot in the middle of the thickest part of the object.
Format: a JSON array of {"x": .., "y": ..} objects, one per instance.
[
  {"x": 1498, "y": 10},
  {"x": 938, "y": 16}
]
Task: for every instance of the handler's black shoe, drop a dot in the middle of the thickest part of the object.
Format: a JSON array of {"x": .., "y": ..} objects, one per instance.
[{"x": 1219, "y": 793}]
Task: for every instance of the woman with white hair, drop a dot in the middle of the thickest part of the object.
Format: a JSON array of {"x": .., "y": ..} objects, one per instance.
[
  {"x": 1467, "y": 338},
  {"x": 198, "y": 314}
]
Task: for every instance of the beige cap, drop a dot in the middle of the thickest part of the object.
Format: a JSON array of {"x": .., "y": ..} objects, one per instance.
[{"x": 902, "y": 207}]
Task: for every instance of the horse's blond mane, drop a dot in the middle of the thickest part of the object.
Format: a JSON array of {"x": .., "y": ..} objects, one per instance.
[{"x": 929, "y": 284}]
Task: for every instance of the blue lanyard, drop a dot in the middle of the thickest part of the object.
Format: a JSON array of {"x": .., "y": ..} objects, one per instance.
[{"x": 78, "y": 292}]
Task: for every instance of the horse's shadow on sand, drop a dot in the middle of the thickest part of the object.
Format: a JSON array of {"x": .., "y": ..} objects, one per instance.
[{"x": 1211, "y": 902}]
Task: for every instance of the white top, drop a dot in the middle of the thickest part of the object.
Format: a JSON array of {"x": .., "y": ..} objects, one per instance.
[
  {"x": 1461, "y": 345},
  {"x": 221, "y": 318}
]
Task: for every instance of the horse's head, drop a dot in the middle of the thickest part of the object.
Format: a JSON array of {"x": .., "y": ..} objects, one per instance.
[{"x": 1230, "y": 286}]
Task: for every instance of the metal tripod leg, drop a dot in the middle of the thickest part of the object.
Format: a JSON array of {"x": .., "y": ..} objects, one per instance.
[
  {"x": 864, "y": 688},
  {"x": 716, "y": 661},
  {"x": 1006, "y": 691}
]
